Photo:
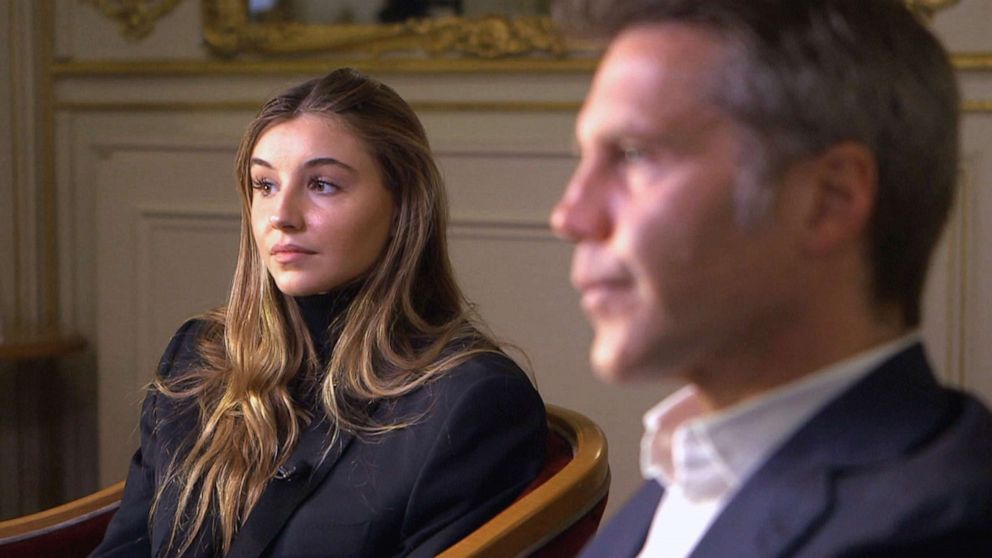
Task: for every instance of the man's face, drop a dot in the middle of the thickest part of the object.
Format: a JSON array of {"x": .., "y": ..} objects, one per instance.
[{"x": 671, "y": 275}]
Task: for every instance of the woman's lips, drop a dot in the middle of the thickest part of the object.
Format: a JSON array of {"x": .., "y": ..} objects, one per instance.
[{"x": 288, "y": 253}]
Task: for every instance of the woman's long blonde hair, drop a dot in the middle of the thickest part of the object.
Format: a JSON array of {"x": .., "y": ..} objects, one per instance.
[{"x": 407, "y": 323}]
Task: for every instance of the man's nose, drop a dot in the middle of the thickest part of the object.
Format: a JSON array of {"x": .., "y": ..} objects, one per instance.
[{"x": 582, "y": 212}]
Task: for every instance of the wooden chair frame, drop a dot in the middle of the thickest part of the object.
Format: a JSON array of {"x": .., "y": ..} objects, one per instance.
[
  {"x": 552, "y": 507},
  {"x": 51, "y": 519},
  {"x": 523, "y": 527}
]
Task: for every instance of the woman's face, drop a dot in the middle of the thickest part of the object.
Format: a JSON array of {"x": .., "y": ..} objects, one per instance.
[{"x": 320, "y": 213}]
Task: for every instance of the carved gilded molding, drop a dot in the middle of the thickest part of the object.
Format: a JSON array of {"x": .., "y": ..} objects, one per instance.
[
  {"x": 490, "y": 37},
  {"x": 930, "y": 7},
  {"x": 136, "y": 17},
  {"x": 228, "y": 31}
]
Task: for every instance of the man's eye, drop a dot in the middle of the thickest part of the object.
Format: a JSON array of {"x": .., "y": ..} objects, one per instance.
[{"x": 632, "y": 154}]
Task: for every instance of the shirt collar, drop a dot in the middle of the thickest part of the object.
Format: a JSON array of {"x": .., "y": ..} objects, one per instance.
[{"x": 709, "y": 456}]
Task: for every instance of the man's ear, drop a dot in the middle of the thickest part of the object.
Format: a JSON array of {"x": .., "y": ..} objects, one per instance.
[{"x": 845, "y": 184}]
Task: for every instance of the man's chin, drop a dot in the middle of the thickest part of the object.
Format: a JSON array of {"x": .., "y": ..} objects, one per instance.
[
  {"x": 616, "y": 363},
  {"x": 615, "y": 367},
  {"x": 609, "y": 375}
]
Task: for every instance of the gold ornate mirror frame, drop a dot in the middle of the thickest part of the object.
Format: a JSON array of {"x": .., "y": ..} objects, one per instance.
[
  {"x": 229, "y": 31},
  {"x": 491, "y": 42}
]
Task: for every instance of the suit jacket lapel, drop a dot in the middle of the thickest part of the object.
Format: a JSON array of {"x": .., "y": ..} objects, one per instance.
[
  {"x": 770, "y": 514},
  {"x": 625, "y": 533},
  {"x": 303, "y": 471},
  {"x": 635, "y": 524},
  {"x": 889, "y": 411}
]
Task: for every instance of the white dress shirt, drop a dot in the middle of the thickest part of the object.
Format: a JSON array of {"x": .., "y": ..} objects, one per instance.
[{"x": 702, "y": 460}]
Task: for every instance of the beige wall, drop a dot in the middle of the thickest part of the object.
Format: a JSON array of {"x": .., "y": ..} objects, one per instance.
[
  {"x": 146, "y": 215},
  {"x": 958, "y": 318}
]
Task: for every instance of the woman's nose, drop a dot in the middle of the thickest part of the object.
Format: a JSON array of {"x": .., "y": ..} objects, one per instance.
[{"x": 286, "y": 214}]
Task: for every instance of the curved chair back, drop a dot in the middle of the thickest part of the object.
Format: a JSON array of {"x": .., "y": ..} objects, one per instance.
[
  {"x": 70, "y": 530},
  {"x": 554, "y": 517},
  {"x": 560, "y": 511}
]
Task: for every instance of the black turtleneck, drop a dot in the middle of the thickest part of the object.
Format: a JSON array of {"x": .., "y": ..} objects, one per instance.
[{"x": 319, "y": 311}]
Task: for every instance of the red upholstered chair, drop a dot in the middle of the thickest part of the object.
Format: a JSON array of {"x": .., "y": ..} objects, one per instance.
[
  {"x": 70, "y": 530},
  {"x": 561, "y": 509}
]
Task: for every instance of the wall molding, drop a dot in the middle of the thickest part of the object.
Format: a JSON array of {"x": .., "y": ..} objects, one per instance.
[
  {"x": 972, "y": 61},
  {"x": 956, "y": 287},
  {"x": 136, "y": 18},
  {"x": 167, "y": 215},
  {"x": 964, "y": 273},
  {"x": 968, "y": 105},
  {"x": 252, "y": 106},
  {"x": 315, "y": 66},
  {"x": 979, "y": 61},
  {"x": 977, "y": 106},
  {"x": 151, "y": 221}
]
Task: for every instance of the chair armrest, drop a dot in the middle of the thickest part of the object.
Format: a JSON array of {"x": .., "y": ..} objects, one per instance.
[
  {"x": 69, "y": 511},
  {"x": 552, "y": 507}
]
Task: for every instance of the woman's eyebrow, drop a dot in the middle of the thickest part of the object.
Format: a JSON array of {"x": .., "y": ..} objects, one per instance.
[
  {"x": 321, "y": 161},
  {"x": 317, "y": 162}
]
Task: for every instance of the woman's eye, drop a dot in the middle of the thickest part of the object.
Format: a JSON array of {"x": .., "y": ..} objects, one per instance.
[
  {"x": 322, "y": 186},
  {"x": 262, "y": 185}
]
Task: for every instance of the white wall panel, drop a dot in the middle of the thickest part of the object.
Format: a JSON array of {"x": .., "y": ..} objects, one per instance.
[
  {"x": 965, "y": 26},
  {"x": 165, "y": 246},
  {"x": 508, "y": 189},
  {"x": 84, "y": 32},
  {"x": 186, "y": 260},
  {"x": 976, "y": 203}
]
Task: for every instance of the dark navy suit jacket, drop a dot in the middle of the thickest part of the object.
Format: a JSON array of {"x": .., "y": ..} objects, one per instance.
[
  {"x": 895, "y": 466},
  {"x": 477, "y": 441}
]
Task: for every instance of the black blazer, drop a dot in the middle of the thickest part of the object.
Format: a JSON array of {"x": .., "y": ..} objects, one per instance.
[
  {"x": 477, "y": 442},
  {"x": 896, "y": 466}
]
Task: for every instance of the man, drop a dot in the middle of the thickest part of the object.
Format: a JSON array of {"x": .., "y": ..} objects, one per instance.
[{"x": 760, "y": 188}]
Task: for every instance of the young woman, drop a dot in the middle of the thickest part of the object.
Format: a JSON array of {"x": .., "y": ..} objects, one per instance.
[{"x": 343, "y": 403}]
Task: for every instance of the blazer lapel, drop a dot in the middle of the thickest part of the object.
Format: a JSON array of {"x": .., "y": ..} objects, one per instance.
[
  {"x": 770, "y": 514},
  {"x": 892, "y": 409},
  {"x": 305, "y": 469},
  {"x": 625, "y": 533}
]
